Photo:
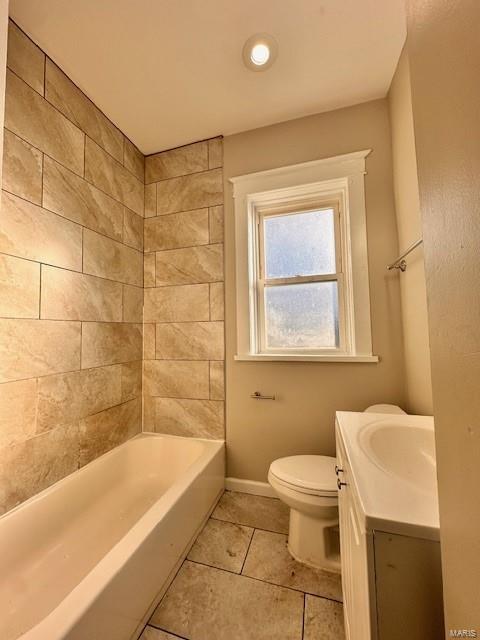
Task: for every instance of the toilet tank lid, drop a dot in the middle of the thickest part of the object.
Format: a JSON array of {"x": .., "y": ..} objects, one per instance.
[
  {"x": 308, "y": 472},
  {"x": 384, "y": 408}
]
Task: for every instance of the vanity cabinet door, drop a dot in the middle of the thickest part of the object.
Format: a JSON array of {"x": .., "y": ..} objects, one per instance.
[{"x": 354, "y": 546}]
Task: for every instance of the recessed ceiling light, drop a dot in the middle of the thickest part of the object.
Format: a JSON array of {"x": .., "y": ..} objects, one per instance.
[{"x": 260, "y": 52}]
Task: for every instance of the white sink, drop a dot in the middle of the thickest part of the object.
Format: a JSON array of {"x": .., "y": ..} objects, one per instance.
[
  {"x": 403, "y": 450},
  {"x": 392, "y": 462}
]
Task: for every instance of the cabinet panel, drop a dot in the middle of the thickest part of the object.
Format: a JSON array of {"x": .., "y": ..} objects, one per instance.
[{"x": 409, "y": 588}]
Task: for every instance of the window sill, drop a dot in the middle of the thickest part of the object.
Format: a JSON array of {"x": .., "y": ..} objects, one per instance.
[{"x": 285, "y": 357}]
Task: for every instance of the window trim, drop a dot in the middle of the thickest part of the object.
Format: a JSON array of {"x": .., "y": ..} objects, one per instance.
[{"x": 340, "y": 177}]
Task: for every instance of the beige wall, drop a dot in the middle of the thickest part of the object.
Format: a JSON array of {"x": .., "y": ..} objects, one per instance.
[
  {"x": 444, "y": 54},
  {"x": 407, "y": 207},
  {"x": 184, "y": 309},
  {"x": 301, "y": 420},
  {"x": 71, "y": 279}
]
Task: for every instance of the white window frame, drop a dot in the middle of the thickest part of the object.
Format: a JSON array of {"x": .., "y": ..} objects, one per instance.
[{"x": 303, "y": 186}]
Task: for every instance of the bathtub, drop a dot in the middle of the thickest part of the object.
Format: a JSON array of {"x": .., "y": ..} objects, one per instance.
[{"x": 90, "y": 557}]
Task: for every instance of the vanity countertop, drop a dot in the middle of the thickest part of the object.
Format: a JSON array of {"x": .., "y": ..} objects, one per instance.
[{"x": 392, "y": 461}]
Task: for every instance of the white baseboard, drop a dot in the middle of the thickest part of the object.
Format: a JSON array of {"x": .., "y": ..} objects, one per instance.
[{"x": 250, "y": 486}]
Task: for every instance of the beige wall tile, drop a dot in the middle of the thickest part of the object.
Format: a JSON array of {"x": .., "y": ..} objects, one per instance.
[
  {"x": 67, "y": 295},
  {"x": 18, "y": 407},
  {"x": 215, "y": 153},
  {"x": 149, "y": 270},
  {"x": 19, "y": 288},
  {"x": 133, "y": 160},
  {"x": 176, "y": 379},
  {"x": 25, "y": 58},
  {"x": 177, "y": 230},
  {"x": 33, "y": 465},
  {"x": 132, "y": 303},
  {"x": 105, "y": 430},
  {"x": 132, "y": 229},
  {"x": 176, "y": 162},
  {"x": 190, "y": 192},
  {"x": 28, "y": 231},
  {"x": 74, "y": 104},
  {"x": 215, "y": 223},
  {"x": 149, "y": 341},
  {"x": 30, "y": 348},
  {"x": 22, "y": 168},
  {"x": 131, "y": 380},
  {"x": 110, "y": 343},
  {"x": 190, "y": 341},
  {"x": 217, "y": 380},
  {"x": 67, "y": 397},
  {"x": 197, "y": 418},
  {"x": 150, "y": 200},
  {"x": 110, "y": 259},
  {"x": 35, "y": 120},
  {"x": 148, "y": 413},
  {"x": 110, "y": 176},
  {"x": 217, "y": 302},
  {"x": 189, "y": 266},
  {"x": 176, "y": 304},
  {"x": 76, "y": 199}
]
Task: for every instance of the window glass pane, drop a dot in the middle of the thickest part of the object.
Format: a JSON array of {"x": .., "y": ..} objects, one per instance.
[
  {"x": 302, "y": 316},
  {"x": 300, "y": 244}
]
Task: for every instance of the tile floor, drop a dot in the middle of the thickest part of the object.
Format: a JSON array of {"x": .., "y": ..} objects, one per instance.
[{"x": 240, "y": 583}]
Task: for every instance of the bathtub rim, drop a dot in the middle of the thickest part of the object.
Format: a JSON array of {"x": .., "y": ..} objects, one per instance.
[{"x": 70, "y": 477}]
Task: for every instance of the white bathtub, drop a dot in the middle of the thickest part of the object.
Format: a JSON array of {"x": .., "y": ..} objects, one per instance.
[{"x": 90, "y": 557}]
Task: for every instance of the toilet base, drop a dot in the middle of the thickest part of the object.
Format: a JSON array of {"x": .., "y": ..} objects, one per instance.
[{"x": 313, "y": 541}]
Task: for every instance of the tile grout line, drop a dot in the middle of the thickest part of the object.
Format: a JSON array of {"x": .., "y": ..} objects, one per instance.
[
  {"x": 182, "y": 175},
  {"x": 79, "y": 224},
  {"x": 78, "y": 175},
  {"x": 69, "y": 371},
  {"x": 47, "y": 57},
  {"x": 272, "y": 584},
  {"x": 154, "y": 626},
  {"x": 69, "y": 119},
  {"x": 90, "y": 275},
  {"x": 249, "y": 525},
  {"x": 303, "y": 615},
  {"x": 40, "y": 294},
  {"x": 248, "y": 549}
]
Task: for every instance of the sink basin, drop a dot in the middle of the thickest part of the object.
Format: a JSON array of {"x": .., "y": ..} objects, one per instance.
[
  {"x": 405, "y": 451},
  {"x": 392, "y": 471}
]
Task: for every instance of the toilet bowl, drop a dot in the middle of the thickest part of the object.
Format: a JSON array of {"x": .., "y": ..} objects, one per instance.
[{"x": 307, "y": 484}]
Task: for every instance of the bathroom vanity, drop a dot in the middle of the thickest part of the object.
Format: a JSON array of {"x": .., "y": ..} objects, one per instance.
[{"x": 389, "y": 527}]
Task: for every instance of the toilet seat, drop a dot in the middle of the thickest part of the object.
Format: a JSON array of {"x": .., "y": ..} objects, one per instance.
[{"x": 312, "y": 475}]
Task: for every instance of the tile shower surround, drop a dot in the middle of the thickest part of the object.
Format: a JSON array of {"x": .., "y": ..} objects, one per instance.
[
  {"x": 72, "y": 269},
  {"x": 183, "y": 288}
]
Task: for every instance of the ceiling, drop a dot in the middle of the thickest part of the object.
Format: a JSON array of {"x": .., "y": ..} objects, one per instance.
[{"x": 170, "y": 72}]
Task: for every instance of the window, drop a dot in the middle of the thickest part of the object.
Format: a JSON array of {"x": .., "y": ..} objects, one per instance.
[
  {"x": 302, "y": 283},
  {"x": 299, "y": 280}
]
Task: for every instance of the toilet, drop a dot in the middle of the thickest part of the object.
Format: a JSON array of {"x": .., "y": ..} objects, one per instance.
[{"x": 308, "y": 485}]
